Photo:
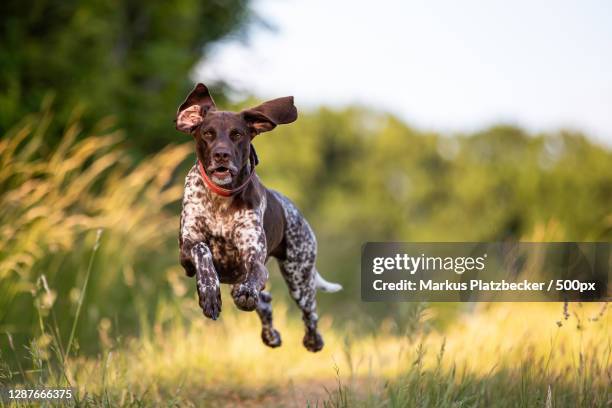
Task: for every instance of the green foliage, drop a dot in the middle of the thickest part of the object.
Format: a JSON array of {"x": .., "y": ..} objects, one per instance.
[
  {"x": 364, "y": 176},
  {"x": 373, "y": 175},
  {"x": 52, "y": 206},
  {"x": 69, "y": 184},
  {"x": 357, "y": 175},
  {"x": 128, "y": 59}
]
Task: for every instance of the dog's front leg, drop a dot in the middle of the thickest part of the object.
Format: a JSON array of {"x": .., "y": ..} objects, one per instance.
[
  {"x": 250, "y": 240},
  {"x": 207, "y": 281}
]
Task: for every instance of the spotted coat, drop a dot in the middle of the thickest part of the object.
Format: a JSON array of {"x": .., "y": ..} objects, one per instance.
[{"x": 224, "y": 240}]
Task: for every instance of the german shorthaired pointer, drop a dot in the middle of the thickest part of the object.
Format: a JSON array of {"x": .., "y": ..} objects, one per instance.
[{"x": 231, "y": 223}]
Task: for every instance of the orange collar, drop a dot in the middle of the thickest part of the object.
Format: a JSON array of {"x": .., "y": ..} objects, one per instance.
[{"x": 226, "y": 192}]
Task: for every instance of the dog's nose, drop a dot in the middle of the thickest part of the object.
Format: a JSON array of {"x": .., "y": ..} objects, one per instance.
[{"x": 221, "y": 155}]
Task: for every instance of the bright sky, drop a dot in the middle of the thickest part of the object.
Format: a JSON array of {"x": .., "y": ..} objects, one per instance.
[{"x": 441, "y": 65}]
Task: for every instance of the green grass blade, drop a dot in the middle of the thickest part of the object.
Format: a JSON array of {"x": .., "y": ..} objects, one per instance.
[{"x": 83, "y": 291}]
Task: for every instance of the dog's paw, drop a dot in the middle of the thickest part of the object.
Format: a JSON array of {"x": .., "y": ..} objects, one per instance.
[
  {"x": 313, "y": 341},
  {"x": 210, "y": 301},
  {"x": 271, "y": 337},
  {"x": 245, "y": 297}
]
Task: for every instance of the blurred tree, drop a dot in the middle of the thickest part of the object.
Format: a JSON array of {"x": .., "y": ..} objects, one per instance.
[
  {"x": 357, "y": 175},
  {"x": 365, "y": 176},
  {"x": 129, "y": 59}
]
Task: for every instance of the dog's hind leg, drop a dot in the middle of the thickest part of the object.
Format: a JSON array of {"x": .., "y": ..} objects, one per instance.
[
  {"x": 300, "y": 278},
  {"x": 270, "y": 336},
  {"x": 297, "y": 266}
]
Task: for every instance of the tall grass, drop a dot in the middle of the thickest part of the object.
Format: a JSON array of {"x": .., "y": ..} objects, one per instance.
[
  {"x": 52, "y": 203},
  {"x": 501, "y": 355},
  {"x": 88, "y": 263}
]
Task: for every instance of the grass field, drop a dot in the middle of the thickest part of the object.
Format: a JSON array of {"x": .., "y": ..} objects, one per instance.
[
  {"x": 92, "y": 296},
  {"x": 502, "y": 355}
]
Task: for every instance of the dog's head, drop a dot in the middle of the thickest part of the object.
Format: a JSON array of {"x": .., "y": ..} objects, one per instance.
[{"x": 223, "y": 139}]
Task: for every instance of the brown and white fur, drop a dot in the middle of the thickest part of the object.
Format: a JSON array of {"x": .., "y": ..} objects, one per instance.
[{"x": 229, "y": 239}]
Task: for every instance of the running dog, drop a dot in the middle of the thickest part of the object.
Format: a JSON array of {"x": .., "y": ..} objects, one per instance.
[{"x": 231, "y": 224}]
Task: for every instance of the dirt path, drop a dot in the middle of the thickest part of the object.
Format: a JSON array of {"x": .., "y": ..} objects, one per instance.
[{"x": 308, "y": 393}]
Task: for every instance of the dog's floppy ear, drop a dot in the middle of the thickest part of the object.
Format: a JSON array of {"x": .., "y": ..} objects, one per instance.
[
  {"x": 191, "y": 112},
  {"x": 266, "y": 116}
]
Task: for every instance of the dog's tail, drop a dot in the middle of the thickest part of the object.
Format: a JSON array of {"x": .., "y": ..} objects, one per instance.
[{"x": 326, "y": 286}]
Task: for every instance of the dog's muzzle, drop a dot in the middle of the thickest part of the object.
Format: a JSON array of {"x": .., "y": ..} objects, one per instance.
[{"x": 222, "y": 175}]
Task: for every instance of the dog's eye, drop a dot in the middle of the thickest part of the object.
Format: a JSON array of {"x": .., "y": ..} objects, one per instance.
[
  {"x": 235, "y": 135},
  {"x": 207, "y": 135}
]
